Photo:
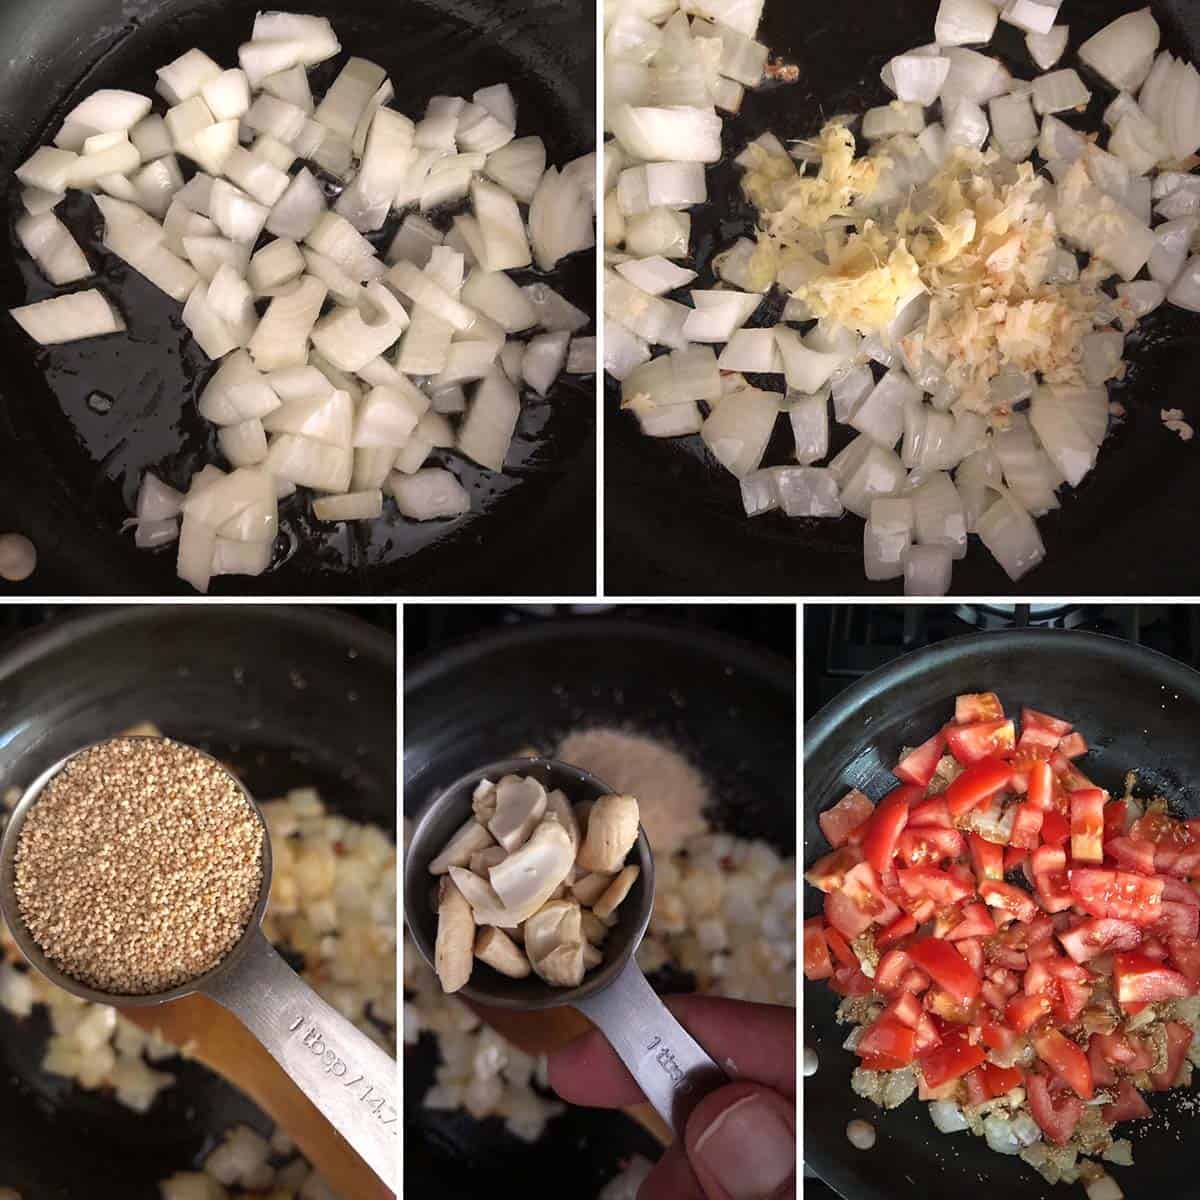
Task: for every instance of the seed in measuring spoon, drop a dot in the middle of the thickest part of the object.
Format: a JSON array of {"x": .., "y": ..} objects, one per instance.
[
  {"x": 861, "y": 1134},
  {"x": 810, "y": 1061}
]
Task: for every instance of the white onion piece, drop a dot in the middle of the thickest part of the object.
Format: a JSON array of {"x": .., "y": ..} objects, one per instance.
[
  {"x": 236, "y": 215},
  {"x": 227, "y": 94},
  {"x": 296, "y": 212},
  {"x": 1103, "y": 1188},
  {"x": 965, "y": 22},
  {"x": 1014, "y": 127},
  {"x": 118, "y": 159},
  {"x": 491, "y": 419},
  {"x": 281, "y": 339},
  {"x": 998, "y": 1134},
  {"x": 849, "y": 391},
  {"x": 806, "y": 491},
  {"x": 291, "y": 85},
  {"x": 197, "y": 545},
  {"x": 880, "y": 473},
  {"x": 807, "y": 370},
  {"x": 668, "y": 134},
  {"x": 310, "y": 463},
  {"x": 623, "y": 350},
  {"x": 739, "y": 428},
  {"x": 151, "y": 534},
  {"x": 1172, "y": 240},
  {"x": 1010, "y": 534},
  {"x": 466, "y": 361},
  {"x": 237, "y": 392},
  {"x": 919, "y": 77},
  {"x": 544, "y": 359},
  {"x": 718, "y": 314},
  {"x": 186, "y": 119},
  {"x": 505, "y": 245},
  {"x": 110, "y": 111},
  {"x": 211, "y": 146},
  {"x": 1182, "y": 118},
  {"x": 1102, "y": 354},
  {"x": 518, "y": 167},
  {"x": 1071, "y": 450},
  {"x": 655, "y": 275},
  {"x": 938, "y": 514},
  {"x": 809, "y": 416},
  {"x": 156, "y": 501},
  {"x": 881, "y": 415},
  {"x": 759, "y": 494},
  {"x": 1028, "y": 471},
  {"x": 353, "y": 506},
  {"x": 895, "y": 118},
  {"x": 37, "y": 200},
  {"x": 1047, "y": 48},
  {"x": 48, "y": 169},
  {"x": 69, "y": 318},
  {"x": 209, "y": 254},
  {"x": 388, "y": 415},
  {"x": 1123, "y": 51},
  {"x": 1059, "y": 91},
  {"x": 414, "y": 241},
  {"x": 351, "y": 337},
  {"x": 372, "y": 466},
  {"x": 277, "y": 263},
  {"x": 438, "y": 128},
  {"x": 973, "y": 76},
  {"x": 884, "y": 553},
  {"x": 1033, "y": 16},
  {"x": 581, "y": 356},
  {"x": 497, "y": 297},
  {"x": 243, "y": 444},
  {"x": 554, "y": 313},
  {"x": 1185, "y": 291},
  {"x": 947, "y": 1116},
  {"x": 428, "y": 495},
  {"x": 927, "y": 571},
  {"x": 426, "y": 292},
  {"x": 313, "y": 39},
  {"x": 389, "y": 152},
  {"x": 50, "y": 244},
  {"x": 257, "y": 178},
  {"x": 328, "y": 418},
  {"x": 213, "y": 335}
]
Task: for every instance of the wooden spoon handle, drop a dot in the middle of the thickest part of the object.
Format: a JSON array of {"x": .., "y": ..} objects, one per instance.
[{"x": 214, "y": 1037}]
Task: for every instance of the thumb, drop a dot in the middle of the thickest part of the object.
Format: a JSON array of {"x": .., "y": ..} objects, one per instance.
[{"x": 741, "y": 1142}]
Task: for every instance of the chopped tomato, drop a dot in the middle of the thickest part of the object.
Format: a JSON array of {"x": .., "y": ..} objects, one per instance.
[
  {"x": 1186, "y": 957},
  {"x": 1066, "y": 1060},
  {"x": 972, "y": 743},
  {"x": 934, "y": 884},
  {"x": 1049, "y": 866},
  {"x": 1179, "y": 921},
  {"x": 946, "y": 967},
  {"x": 951, "y": 1060},
  {"x": 1179, "y": 1038},
  {"x": 840, "y": 948},
  {"x": 1073, "y": 745},
  {"x": 951, "y": 1010},
  {"x": 1041, "y": 786},
  {"x": 987, "y": 857},
  {"x": 838, "y": 822},
  {"x": 1131, "y": 855},
  {"x": 883, "y": 828},
  {"x": 976, "y": 1093},
  {"x": 828, "y": 873},
  {"x": 972, "y": 707},
  {"x": 1056, "y": 1116},
  {"x": 1031, "y": 718},
  {"x": 845, "y": 916},
  {"x": 1141, "y": 979},
  {"x": 1037, "y": 741},
  {"x": 975, "y": 921},
  {"x": 817, "y": 963},
  {"x": 976, "y": 784},
  {"x": 999, "y": 1081},
  {"x": 862, "y": 886},
  {"x": 1128, "y": 1106},
  {"x": 1115, "y": 813},
  {"x": 917, "y": 847},
  {"x": 1022, "y": 1013},
  {"x": 1102, "y": 1072},
  {"x": 1055, "y": 828},
  {"x": 902, "y": 926},
  {"x": 890, "y": 971},
  {"x": 1010, "y": 900},
  {"x": 917, "y": 767},
  {"x": 1130, "y": 1053},
  {"x": 932, "y": 812},
  {"x": 996, "y": 1035},
  {"x": 850, "y": 981},
  {"x": 1097, "y": 936},
  {"x": 889, "y": 1038},
  {"x": 1162, "y": 829},
  {"x": 972, "y": 951},
  {"x": 1014, "y": 857},
  {"x": 1119, "y": 894},
  {"x": 1087, "y": 825},
  {"x": 1151, "y": 947}
]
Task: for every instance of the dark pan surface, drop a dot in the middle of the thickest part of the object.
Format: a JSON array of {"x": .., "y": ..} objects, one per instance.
[
  {"x": 729, "y": 708},
  {"x": 291, "y": 697},
  {"x": 81, "y": 422},
  {"x": 673, "y": 514},
  {"x": 1139, "y": 711}
]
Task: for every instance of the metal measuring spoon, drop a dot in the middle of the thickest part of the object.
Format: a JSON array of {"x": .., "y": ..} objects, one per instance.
[
  {"x": 348, "y": 1078},
  {"x": 669, "y": 1065}
]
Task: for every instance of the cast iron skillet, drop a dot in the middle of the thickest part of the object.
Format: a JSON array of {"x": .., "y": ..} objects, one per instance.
[
  {"x": 79, "y": 423},
  {"x": 290, "y": 696},
  {"x": 1139, "y": 711},
  {"x": 729, "y": 708},
  {"x": 673, "y": 514}
]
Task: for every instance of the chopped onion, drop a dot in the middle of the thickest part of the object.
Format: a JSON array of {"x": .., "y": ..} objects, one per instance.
[
  {"x": 236, "y": 215},
  {"x": 947, "y": 1116},
  {"x": 738, "y": 429},
  {"x": 50, "y": 244},
  {"x": 237, "y": 392},
  {"x": 69, "y": 318},
  {"x": 491, "y": 419},
  {"x": 1185, "y": 291},
  {"x": 110, "y": 110},
  {"x": 759, "y": 494},
  {"x": 973, "y": 76},
  {"x": 281, "y": 339},
  {"x": 938, "y": 514},
  {"x": 1014, "y": 126},
  {"x": 965, "y": 22},
  {"x": 156, "y": 501},
  {"x": 1047, "y": 48},
  {"x": 329, "y": 418},
  {"x": 806, "y": 492},
  {"x": 668, "y": 134},
  {"x": 655, "y": 275},
  {"x": 1059, "y": 91},
  {"x": 501, "y": 228},
  {"x": 213, "y": 335},
  {"x": 351, "y": 337},
  {"x": 919, "y": 77},
  {"x": 1123, "y": 51},
  {"x": 425, "y": 292},
  {"x": 466, "y": 362},
  {"x": 544, "y": 359},
  {"x": 310, "y": 463},
  {"x": 518, "y": 167},
  {"x": 1172, "y": 240},
  {"x": 997, "y": 1132},
  {"x": 353, "y": 506},
  {"x": 1010, "y": 534},
  {"x": 48, "y": 169},
  {"x": 429, "y": 494},
  {"x": 1072, "y": 451},
  {"x": 927, "y": 571},
  {"x": 809, "y": 416},
  {"x": 894, "y": 118},
  {"x": 881, "y": 415},
  {"x": 296, "y": 212},
  {"x": 880, "y": 473},
  {"x": 275, "y": 264},
  {"x": 243, "y": 444},
  {"x": 1028, "y": 471}
]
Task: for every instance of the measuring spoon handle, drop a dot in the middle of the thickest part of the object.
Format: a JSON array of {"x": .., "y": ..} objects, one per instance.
[
  {"x": 347, "y": 1076},
  {"x": 668, "y": 1064}
]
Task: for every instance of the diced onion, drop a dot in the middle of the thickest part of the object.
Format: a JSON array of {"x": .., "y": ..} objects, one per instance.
[
  {"x": 69, "y": 318},
  {"x": 1010, "y": 534},
  {"x": 947, "y": 1116},
  {"x": 429, "y": 494},
  {"x": 927, "y": 571},
  {"x": 1047, "y": 48},
  {"x": 965, "y": 22},
  {"x": 353, "y": 506},
  {"x": 1185, "y": 292},
  {"x": 1123, "y": 51}
]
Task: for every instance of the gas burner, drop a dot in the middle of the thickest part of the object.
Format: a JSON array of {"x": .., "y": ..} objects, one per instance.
[{"x": 1005, "y": 616}]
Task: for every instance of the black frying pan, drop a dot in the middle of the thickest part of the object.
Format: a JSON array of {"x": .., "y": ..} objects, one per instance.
[
  {"x": 292, "y": 697},
  {"x": 71, "y": 473},
  {"x": 729, "y": 707},
  {"x": 672, "y": 513},
  {"x": 1138, "y": 710}
]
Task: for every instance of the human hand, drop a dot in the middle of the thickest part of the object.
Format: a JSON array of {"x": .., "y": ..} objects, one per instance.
[{"x": 740, "y": 1141}]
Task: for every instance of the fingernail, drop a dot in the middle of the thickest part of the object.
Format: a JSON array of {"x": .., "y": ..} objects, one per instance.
[{"x": 748, "y": 1149}]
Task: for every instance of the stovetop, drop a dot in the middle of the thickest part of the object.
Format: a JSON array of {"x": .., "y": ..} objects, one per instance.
[{"x": 843, "y": 642}]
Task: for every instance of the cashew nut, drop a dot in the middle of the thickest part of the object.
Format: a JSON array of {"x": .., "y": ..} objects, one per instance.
[
  {"x": 612, "y": 830},
  {"x": 556, "y": 803},
  {"x": 483, "y": 861},
  {"x": 590, "y": 888},
  {"x": 483, "y": 801},
  {"x": 494, "y": 947},
  {"x": 536, "y": 869},
  {"x": 591, "y": 956},
  {"x": 519, "y": 805},
  {"x": 471, "y": 838},
  {"x": 594, "y": 929},
  {"x": 554, "y": 943},
  {"x": 455, "y": 937},
  {"x": 563, "y": 967},
  {"x": 617, "y": 891}
]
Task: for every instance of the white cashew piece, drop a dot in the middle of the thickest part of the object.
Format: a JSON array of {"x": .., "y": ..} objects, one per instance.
[
  {"x": 494, "y": 947},
  {"x": 520, "y": 804},
  {"x": 617, "y": 891},
  {"x": 591, "y": 956},
  {"x": 594, "y": 929},
  {"x": 482, "y": 861},
  {"x": 590, "y": 888},
  {"x": 554, "y": 943},
  {"x": 453, "y": 951},
  {"x": 471, "y": 838},
  {"x": 536, "y": 869},
  {"x": 556, "y": 803},
  {"x": 612, "y": 829}
]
